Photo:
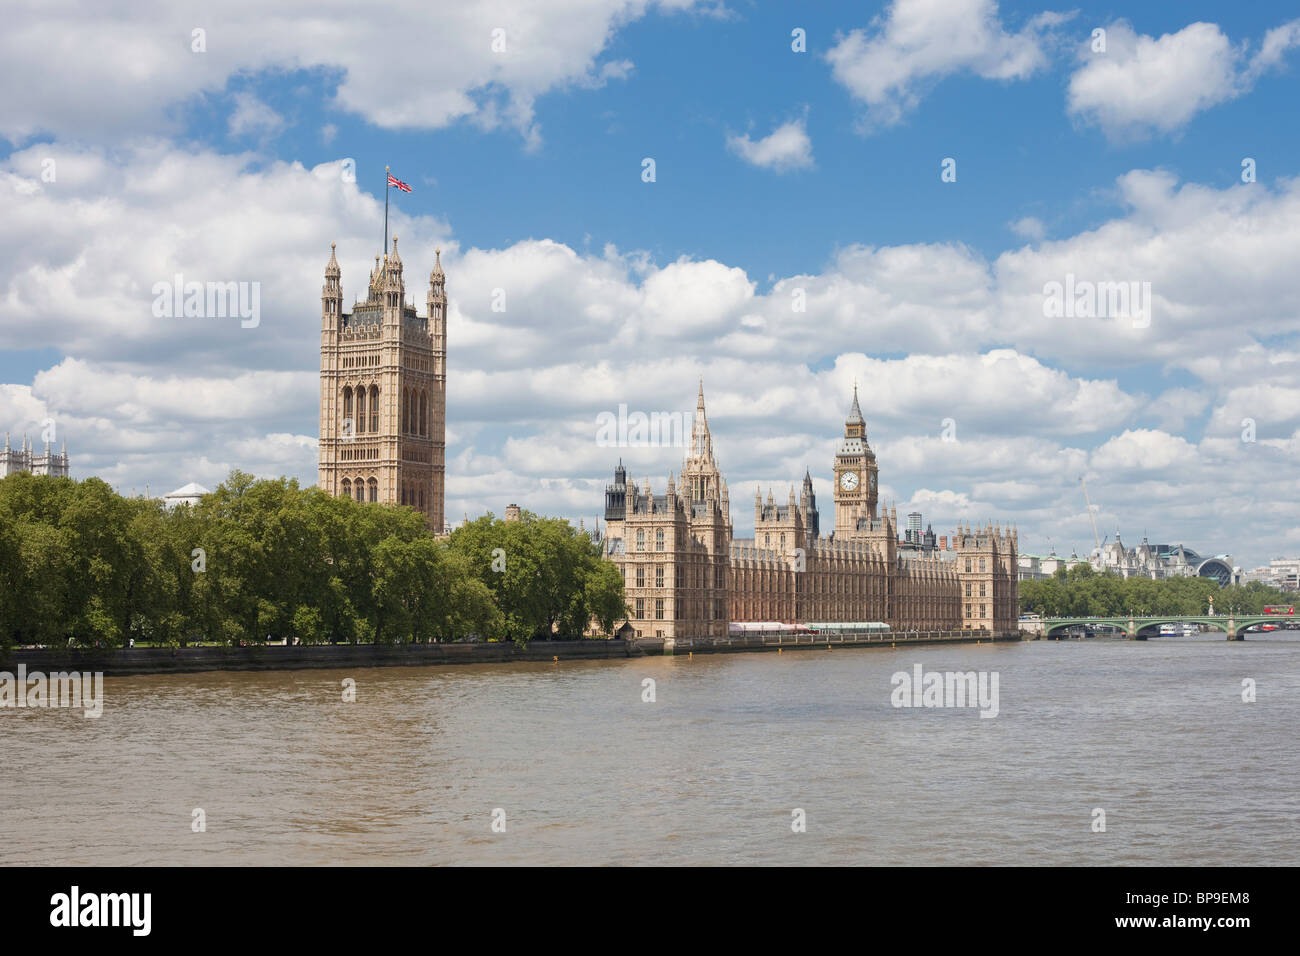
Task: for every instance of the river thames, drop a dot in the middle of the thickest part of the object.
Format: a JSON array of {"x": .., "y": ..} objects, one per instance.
[{"x": 1154, "y": 733}]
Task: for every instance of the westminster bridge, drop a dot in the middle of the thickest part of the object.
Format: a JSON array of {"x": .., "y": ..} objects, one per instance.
[{"x": 1233, "y": 625}]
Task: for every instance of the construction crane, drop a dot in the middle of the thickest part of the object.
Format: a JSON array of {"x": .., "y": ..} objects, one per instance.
[{"x": 1091, "y": 516}]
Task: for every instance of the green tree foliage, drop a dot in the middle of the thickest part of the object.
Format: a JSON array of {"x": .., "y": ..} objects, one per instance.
[
  {"x": 547, "y": 578},
  {"x": 83, "y": 566},
  {"x": 1083, "y": 592}
]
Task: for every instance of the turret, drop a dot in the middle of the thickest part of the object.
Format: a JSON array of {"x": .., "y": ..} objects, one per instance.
[
  {"x": 331, "y": 294},
  {"x": 437, "y": 302}
]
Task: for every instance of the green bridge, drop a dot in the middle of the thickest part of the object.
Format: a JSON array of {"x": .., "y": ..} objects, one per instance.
[{"x": 1231, "y": 624}]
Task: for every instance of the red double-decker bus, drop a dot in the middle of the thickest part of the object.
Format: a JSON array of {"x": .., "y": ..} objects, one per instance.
[{"x": 1285, "y": 610}]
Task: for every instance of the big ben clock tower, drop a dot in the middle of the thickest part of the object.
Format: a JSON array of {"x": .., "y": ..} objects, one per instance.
[{"x": 855, "y": 474}]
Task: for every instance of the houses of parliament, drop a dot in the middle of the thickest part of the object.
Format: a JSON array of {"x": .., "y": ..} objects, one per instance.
[
  {"x": 383, "y": 390},
  {"x": 686, "y": 575},
  {"x": 383, "y": 405}
]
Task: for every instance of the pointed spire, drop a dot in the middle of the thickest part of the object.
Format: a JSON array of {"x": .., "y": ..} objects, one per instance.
[
  {"x": 701, "y": 440},
  {"x": 437, "y": 272},
  {"x": 855, "y": 412},
  {"x": 332, "y": 270}
]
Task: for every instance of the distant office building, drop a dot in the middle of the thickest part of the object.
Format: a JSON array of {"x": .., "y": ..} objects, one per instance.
[
  {"x": 29, "y": 460},
  {"x": 1035, "y": 567},
  {"x": 1162, "y": 561},
  {"x": 1282, "y": 573}
]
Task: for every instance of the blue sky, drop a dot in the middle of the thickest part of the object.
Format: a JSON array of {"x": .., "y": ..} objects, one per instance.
[{"x": 1123, "y": 165}]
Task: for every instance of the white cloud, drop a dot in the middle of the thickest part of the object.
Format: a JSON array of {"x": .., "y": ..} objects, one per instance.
[
  {"x": 916, "y": 43},
  {"x": 1030, "y": 227},
  {"x": 252, "y": 116},
  {"x": 1142, "y": 84},
  {"x": 142, "y": 400},
  {"x": 786, "y": 148},
  {"x": 87, "y": 71}
]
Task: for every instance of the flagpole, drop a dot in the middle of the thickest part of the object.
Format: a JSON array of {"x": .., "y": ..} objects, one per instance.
[{"x": 384, "y": 250}]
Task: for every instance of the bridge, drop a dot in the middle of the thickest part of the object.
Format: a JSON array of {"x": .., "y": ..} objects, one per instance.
[{"x": 1231, "y": 624}]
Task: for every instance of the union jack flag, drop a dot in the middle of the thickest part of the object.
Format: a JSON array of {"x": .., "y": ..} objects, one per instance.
[{"x": 394, "y": 181}]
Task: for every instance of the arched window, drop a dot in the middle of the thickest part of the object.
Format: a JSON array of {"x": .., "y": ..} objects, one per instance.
[
  {"x": 360, "y": 487},
  {"x": 659, "y": 540},
  {"x": 406, "y": 411},
  {"x": 424, "y": 413},
  {"x": 640, "y": 539},
  {"x": 347, "y": 488},
  {"x": 347, "y": 407},
  {"x": 360, "y": 425},
  {"x": 421, "y": 499},
  {"x": 374, "y": 410},
  {"x": 783, "y": 541},
  {"x": 374, "y": 489}
]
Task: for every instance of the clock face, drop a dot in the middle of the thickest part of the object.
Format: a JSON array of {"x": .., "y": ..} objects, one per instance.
[{"x": 849, "y": 480}]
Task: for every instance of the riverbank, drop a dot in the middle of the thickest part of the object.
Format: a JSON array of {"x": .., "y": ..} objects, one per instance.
[{"x": 189, "y": 660}]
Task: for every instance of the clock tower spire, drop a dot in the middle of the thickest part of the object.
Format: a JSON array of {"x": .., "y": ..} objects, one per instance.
[{"x": 855, "y": 473}]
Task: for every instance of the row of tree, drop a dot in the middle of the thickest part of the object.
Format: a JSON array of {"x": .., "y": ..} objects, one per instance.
[
  {"x": 258, "y": 559},
  {"x": 1083, "y": 592}
]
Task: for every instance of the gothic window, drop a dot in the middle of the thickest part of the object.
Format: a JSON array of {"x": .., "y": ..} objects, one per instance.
[
  {"x": 659, "y": 609},
  {"x": 347, "y": 488},
  {"x": 782, "y": 542},
  {"x": 981, "y": 589},
  {"x": 640, "y": 608},
  {"x": 347, "y": 402},
  {"x": 981, "y": 564},
  {"x": 659, "y": 540},
  {"x": 968, "y": 565},
  {"x": 640, "y": 539},
  {"x": 421, "y": 499},
  {"x": 360, "y": 487},
  {"x": 406, "y": 411},
  {"x": 374, "y": 489},
  {"x": 374, "y": 410},
  {"x": 968, "y": 589},
  {"x": 640, "y": 575},
  {"x": 767, "y": 540},
  {"x": 659, "y": 575},
  {"x": 424, "y": 413},
  {"x": 360, "y": 425}
]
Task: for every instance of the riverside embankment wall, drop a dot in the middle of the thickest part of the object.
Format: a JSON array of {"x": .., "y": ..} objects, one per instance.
[{"x": 185, "y": 660}]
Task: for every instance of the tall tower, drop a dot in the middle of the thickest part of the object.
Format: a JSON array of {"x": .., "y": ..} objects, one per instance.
[
  {"x": 383, "y": 394},
  {"x": 855, "y": 473}
]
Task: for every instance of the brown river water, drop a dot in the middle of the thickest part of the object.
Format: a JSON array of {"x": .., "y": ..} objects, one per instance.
[{"x": 1154, "y": 733}]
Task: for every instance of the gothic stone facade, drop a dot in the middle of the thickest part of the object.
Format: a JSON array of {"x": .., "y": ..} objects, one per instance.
[
  {"x": 383, "y": 391},
  {"x": 28, "y": 459},
  {"x": 687, "y": 576}
]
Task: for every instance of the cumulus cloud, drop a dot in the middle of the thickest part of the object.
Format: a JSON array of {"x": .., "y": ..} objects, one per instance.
[
  {"x": 786, "y": 148},
  {"x": 890, "y": 66},
  {"x": 929, "y": 331},
  {"x": 253, "y": 117},
  {"x": 1142, "y": 85},
  {"x": 492, "y": 61}
]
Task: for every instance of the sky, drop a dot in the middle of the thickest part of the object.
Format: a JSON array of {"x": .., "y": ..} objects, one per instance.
[{"x": 892, "y": 194}]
